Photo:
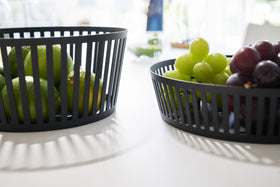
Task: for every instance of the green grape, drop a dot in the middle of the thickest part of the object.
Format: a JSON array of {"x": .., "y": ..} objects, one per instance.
[
  {"x": 199, "y": 48},
  {"x": 175, "y": 74},
  {"x": 202, "y": 72},
  {"x": 220, "y": 78},
  {"x": 217, "y": 61},
  {"x": 227, "y": 71},
  {"x": 184, "y": 64}
]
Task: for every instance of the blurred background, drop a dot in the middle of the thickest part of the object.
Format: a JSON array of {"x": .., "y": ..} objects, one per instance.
[{"x": 224, "y": 23}]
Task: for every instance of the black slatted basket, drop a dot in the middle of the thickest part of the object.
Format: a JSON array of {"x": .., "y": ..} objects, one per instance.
[
  {"x": 58, "y": 77},
  {"x": 222, "y": 112}
]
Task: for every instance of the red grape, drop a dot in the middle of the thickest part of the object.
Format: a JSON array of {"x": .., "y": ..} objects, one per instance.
[
  {"x": 267, "y": 74},
  {"x": 276, "y": 46},
  {"x": 238, "y": 79},
  {"x": 277, "y": 60},
  {"x": 245, "y": 60},
  {"x": 233, "y": 68},
  {"x": 265, "y": 49}
]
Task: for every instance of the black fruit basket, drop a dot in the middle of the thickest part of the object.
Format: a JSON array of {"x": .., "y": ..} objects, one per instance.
[
  {"x": 222, "y": 112},
  {"x": 94, "y": 56}
]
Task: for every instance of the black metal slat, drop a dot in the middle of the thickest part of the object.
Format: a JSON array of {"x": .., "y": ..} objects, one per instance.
[
  {"x": 37, "y": 87},
  {"x": 76, "y": 85},
  {"x": 178, "y": 95},
  {"x": 118, "y": 72},
  {"x": 195, "y": 105},
  {"x": 63, "y": 83},
  {"x": 171, "y": 97},
  {"x": 23, "y": 88},
  {"x": 226, "y": 122},
  {"x": 187, "y": 106},
  {"x": 51, "y": 86},
  {"x": 105, "y": 78},
  {"x": 112, "y": 72},
  {"x": 214, "y": 112},
  {"x": 9, "y": 85},
  {"x": 168, "y": 104},
  {"x": 236, "y": 114},
  {"x": 87, "y": 79},
  {"x": 205, "y": 110},
  {"x": 163, "y": 98},
  {"x": 272, "y": 116},
  {"x": 260, "y": 115},
  {"x": 248, "y": 118},
  {"x": 98, "y": 75}
]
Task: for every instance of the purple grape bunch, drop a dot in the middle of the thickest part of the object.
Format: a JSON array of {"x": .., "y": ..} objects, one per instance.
[
  {"x": 255, "y": 66},
  {"x": 260, "y": 61}
]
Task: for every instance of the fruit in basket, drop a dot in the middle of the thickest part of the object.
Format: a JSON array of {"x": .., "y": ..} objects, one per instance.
[
  {"x": 220, "y": 78},
  {"x": 199, "y": 48},
  {"x": 31, "y": 99},
  {"x": 70, "y": 91},
  {"x": 258, "y": 61},
  {"x": 42, "y": 59},
  {"x": 257, "y": 66},
  {"x": 203, "y": 72},
  {"x": 201, "y": 67},
  {"x": 175, "y": 74},
  {"x": 276, "y": 46},
  {"x": 267, "y": 74},
  {"x": 265, "y": 49},
  {"x": 245, "y": 60},
  {"x": 13, "y": 59},
  {"x": 217, "y": 61},
  {"x": 2, "y": 81},
  {"x": 238, "y": 80},
  {"x": 185, "y": 63}
]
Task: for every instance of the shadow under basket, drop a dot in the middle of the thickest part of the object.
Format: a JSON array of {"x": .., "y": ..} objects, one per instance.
[
  {"x": 222, "y": 112},
  {"x": 96, "y": 51}
]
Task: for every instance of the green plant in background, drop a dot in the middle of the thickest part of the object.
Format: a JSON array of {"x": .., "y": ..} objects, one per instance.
[{"x": 151, "y": 49}]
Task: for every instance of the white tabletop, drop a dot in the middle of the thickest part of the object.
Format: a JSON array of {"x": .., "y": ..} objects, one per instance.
[{"x": 133, "y": 147}]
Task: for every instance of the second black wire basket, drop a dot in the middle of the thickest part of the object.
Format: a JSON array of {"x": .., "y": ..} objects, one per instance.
[{"x": 223, "y": 112}]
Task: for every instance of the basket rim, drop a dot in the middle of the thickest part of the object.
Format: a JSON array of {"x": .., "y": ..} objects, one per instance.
[
  {"x": 210, "y": 87},
  {"x": 110, "y": 34}
]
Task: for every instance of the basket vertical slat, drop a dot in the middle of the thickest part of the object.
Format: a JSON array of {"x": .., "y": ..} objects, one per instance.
[
  {"x": 98, "y": 71},
  {"x": 106, "y": 75},
  {"x": 87, "y": 79},
  {"x": 76, "y": 93},
  {"x": 37, "y": 90},
  {"x": 8, "y": 82},
  {"x": 112, "y": 73},
  {"x": 50, "y": 73},
  {"x": 119, "y": 68},
  {"x": 63, "y": 84}
]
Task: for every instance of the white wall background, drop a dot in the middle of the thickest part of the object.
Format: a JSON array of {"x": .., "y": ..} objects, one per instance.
[{"x": 220, "y": 21}]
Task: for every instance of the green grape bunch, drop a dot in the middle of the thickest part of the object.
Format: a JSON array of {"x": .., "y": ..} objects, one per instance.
[{"x": 200, "y": 65}]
